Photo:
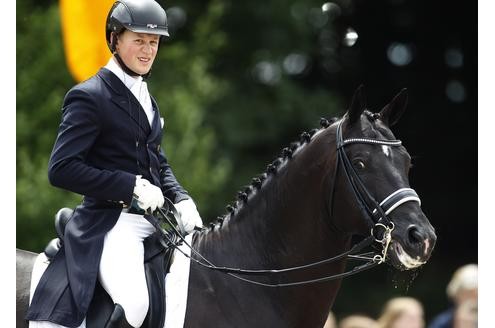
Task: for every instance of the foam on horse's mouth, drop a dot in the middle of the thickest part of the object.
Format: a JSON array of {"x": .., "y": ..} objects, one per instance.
[{"x": 406, "y": 259}]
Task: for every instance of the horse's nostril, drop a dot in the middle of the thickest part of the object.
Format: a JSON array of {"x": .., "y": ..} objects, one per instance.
[{"x": 415, "y": 235}]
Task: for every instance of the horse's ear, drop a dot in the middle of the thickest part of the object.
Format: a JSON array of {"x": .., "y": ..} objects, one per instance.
[
  {"x": 391, "y": 113},
  {"x": 358, "y": 105}
]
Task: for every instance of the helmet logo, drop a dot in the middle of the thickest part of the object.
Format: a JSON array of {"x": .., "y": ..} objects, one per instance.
[{"x": 151, "y": 25}]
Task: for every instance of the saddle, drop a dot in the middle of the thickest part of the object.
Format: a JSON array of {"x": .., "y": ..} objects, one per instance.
[{"x": 102, "y": 311}]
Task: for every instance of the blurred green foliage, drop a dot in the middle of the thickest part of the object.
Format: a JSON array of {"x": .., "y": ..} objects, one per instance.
[{"x": 42, "y": 81}]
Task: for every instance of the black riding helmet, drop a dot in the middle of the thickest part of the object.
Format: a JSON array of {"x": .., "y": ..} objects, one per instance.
[{"x": 139, "y": 16}]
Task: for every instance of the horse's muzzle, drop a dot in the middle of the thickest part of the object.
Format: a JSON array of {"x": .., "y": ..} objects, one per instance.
[{"x": 412, "y": 246}]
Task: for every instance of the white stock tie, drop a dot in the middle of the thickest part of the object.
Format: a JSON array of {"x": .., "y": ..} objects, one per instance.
[{"x": 140, "y": 91}]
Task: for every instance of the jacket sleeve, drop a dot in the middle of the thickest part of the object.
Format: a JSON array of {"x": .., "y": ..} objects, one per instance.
[
  {"x": 170, "y": 186},
  {"x": 68, "y": 169}
]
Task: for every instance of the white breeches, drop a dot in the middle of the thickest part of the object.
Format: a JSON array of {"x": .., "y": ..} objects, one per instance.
[
  {"x": 122, "y": 266},
  {"x": 122, "y": 269}
]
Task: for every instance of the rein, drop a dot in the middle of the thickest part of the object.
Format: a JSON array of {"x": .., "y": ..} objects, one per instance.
[
  {"x": 371, "y": 209},
  {"x": 233, "y": 272}
]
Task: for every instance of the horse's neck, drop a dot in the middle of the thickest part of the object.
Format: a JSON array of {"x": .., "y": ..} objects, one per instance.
[
  {"x": 282, "y": 226},
  {"x": 286, "y": 221},
  {"x": 274, "y": 228},
  {"x": 265, "y": 242}
]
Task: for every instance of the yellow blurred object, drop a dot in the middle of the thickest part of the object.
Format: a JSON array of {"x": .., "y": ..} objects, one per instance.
[{"x": 83, "y": 31}]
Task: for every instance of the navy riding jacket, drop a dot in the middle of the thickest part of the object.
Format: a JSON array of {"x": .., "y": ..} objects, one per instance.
[{"x": 103, "y": 142}]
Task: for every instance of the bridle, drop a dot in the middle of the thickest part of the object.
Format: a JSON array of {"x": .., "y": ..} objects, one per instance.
[
  {"x": 371, "y": 209},
  {"x": 376, "y": 212}
]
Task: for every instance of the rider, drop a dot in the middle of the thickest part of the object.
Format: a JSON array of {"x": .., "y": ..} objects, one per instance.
[{"x": 108, "y": 149}]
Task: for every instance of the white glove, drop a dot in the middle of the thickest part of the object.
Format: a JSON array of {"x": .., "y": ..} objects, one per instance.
[
  {"x": 188, "y": 215},
  {"x": 148, "y": 196}
]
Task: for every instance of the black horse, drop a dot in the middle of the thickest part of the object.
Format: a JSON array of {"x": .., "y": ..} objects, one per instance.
[{"x": 348, "y": 178}]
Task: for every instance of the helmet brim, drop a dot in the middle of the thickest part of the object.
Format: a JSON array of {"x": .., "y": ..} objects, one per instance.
[{"x": 148, "y": 30}]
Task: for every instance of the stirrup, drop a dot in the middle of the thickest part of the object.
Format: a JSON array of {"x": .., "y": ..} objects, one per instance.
[{"x": 117, "y": 318}]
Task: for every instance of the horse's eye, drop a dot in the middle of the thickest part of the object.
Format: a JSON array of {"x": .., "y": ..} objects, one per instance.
[{"x": 358, "y": 164}]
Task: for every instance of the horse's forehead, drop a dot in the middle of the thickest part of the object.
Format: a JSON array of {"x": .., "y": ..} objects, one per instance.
[
  {"x": 363, "y": 129},
  {"x": 375, "y": 128}
]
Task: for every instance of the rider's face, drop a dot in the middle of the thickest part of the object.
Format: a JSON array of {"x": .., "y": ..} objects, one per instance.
[{"x": 137, "y": 50}]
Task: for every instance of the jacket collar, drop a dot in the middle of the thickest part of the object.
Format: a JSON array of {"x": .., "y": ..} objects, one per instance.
[
  {"x": 113, "y": 82},
  {"x": 128, "y": 80},
  {"x": 124, "y": 99}
]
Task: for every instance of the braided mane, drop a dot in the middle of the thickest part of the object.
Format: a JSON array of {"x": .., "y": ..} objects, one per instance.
[{"x": 259, "y": 181}]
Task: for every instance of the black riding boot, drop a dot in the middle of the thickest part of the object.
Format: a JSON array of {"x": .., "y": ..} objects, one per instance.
[{"x": 117, "y": 318}]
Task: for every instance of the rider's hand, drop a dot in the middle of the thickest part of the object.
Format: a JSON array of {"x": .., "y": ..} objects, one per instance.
[
  {"x": 188, "y": 214},
  {"x": 148, "y": 196}
]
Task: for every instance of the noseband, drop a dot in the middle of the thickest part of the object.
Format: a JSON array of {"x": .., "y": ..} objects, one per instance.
[{"x": 376, "y": 212}]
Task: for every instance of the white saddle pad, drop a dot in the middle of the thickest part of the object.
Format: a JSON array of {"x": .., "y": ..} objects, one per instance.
[{"x": 176, "y": 287}]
